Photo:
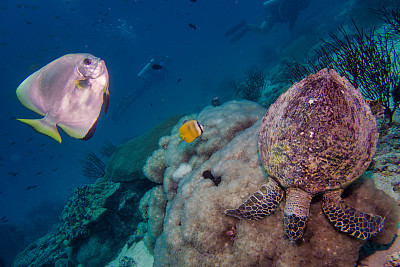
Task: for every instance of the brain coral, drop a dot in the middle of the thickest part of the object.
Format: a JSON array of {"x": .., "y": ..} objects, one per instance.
[{"x": 197, "y": 233}]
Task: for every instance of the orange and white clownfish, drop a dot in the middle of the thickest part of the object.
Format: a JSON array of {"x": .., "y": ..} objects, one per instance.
[{"x": 190, "y": 130}]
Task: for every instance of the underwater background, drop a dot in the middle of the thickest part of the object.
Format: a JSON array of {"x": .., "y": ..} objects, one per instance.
[{"x": 38, "y": 174}]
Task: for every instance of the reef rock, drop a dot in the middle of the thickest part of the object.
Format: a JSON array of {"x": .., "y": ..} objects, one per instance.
[{"x": 95, "y": 223}]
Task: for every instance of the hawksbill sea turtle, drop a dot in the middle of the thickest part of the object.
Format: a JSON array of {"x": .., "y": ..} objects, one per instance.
[{"x": 317, "y": 138}]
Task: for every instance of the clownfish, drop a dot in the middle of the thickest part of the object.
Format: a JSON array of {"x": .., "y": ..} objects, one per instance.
[{"x": 190, "y": 130}]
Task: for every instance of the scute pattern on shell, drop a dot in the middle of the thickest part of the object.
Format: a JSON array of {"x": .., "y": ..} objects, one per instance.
[{"x": 320, "y": 135}]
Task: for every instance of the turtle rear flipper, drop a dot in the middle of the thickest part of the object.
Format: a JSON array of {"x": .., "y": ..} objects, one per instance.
[
  {"x": 262, "y": 203},
  {"x": 348, "y": 219}
]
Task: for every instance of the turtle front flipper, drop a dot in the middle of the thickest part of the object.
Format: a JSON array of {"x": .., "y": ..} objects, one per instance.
[
  {"x": 260, "y": 204},
  {"x": 349, "y": 220},
  {"x": 296, "y": 213}
]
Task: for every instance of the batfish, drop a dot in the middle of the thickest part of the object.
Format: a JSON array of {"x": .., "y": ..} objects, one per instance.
[{"x": 68, "y": 92}]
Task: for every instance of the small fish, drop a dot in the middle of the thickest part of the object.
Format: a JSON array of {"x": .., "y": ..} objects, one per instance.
[
  {"x": 12, "y": 143},
  {"x": 190, "y": 130},
  {"x": 38, "y": 173},
  {"x": 179, "y": 80},
  {"x": 3, "y": 219},
  {"x": 13, "y": 174},
  {"x": 68, "y": 92},
  {"x": 31, "y": 187},
  {"x": 192, "y": 26},
  {"x": 156, "y": 67},
  {"x": 193, "y": 1}
]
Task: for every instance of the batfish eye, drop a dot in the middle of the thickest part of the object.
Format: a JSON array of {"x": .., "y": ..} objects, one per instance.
[{"x": 87, "y": 61}]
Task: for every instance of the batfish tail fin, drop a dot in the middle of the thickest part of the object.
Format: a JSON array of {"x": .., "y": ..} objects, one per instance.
[{"x": 40, "y": 126}]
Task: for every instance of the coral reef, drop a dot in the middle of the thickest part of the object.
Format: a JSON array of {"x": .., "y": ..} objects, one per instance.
[
  {"x": 368, "y": 60},
  {"x": 277, "y": 82},
  {"x": 95, "y": 223},
  {"x": 189, "y": 207},
  {"x": 136, "y": 254},
  {"x": 107, "y": 149},
  {"x": 175, "y": 159},
  {"x": 252, "y": 86},
  {"x": 221, "y": 125},
  {"x": 92, "y": 166},
  {"x": 385, "y": 167},
  {"x": 126, "y": 163},
  {"x": 391, "y": 16},
  {"x": 196, "y": 232},
  {"x": 152, "y": 207},
  {"x": 393, "y": 260},
  {"x": 182, "y": 170},
  {"x": 82, "y": 209}
]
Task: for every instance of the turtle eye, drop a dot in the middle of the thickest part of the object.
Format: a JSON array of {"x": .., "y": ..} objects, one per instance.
[{"x": 87, "y": 61}]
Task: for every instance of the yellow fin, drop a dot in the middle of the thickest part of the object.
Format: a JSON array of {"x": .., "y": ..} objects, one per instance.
[
  {"x": 41, "y": 127},
  {"x": 82, "y": 84}
]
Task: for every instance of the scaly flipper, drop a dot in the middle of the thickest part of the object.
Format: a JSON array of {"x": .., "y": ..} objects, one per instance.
[
  {"x": 260, "y": 204},
  {"x": 296, "y": 213},
  {"x": 349, "y": 220}
]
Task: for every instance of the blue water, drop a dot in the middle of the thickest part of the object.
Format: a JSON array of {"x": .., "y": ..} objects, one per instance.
[{"x": 126, "y": 34}]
